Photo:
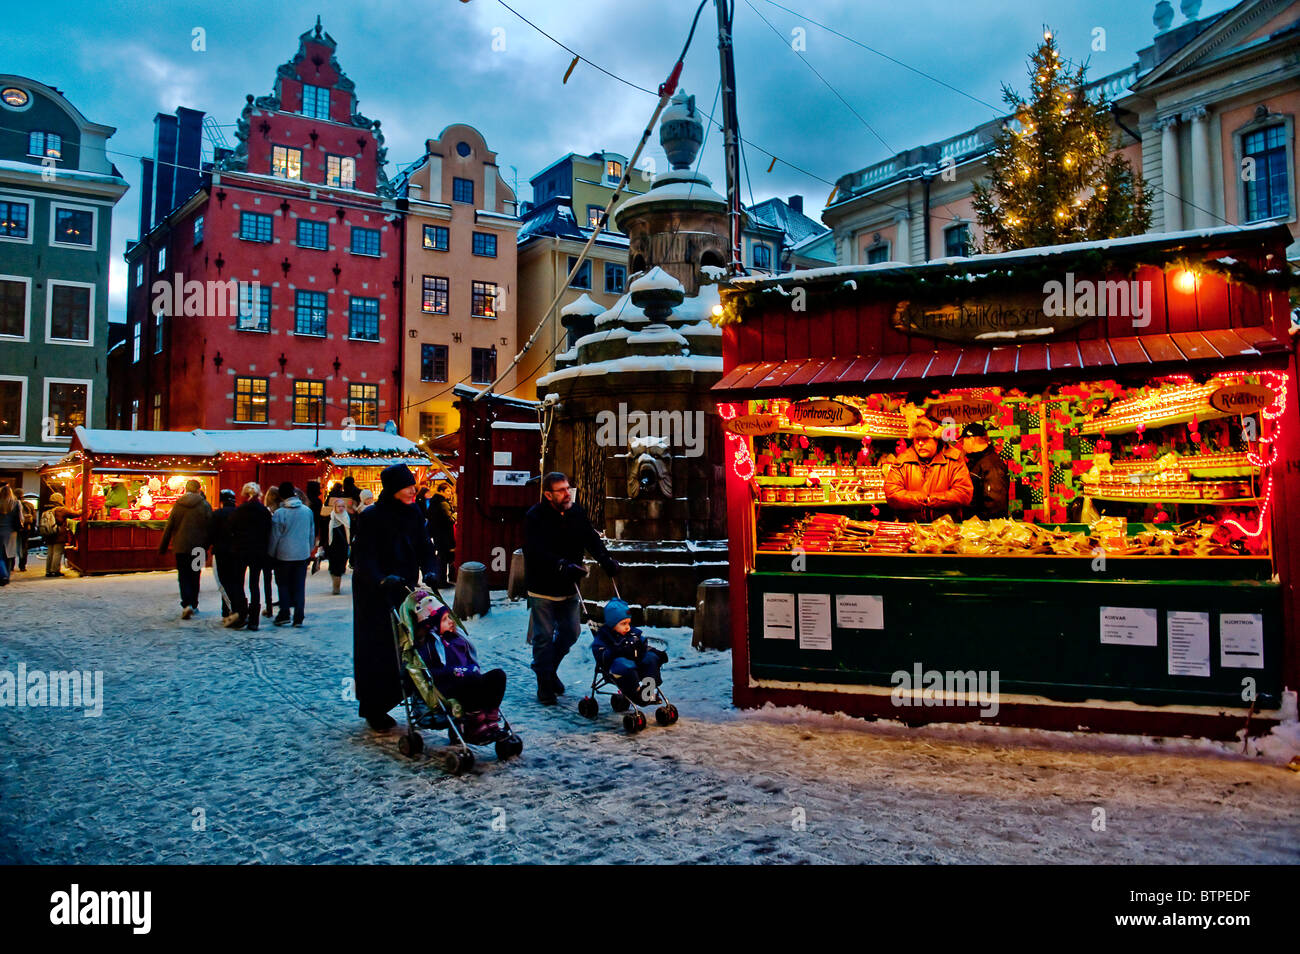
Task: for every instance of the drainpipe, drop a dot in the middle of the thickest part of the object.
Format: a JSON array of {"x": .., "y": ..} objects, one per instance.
[{"x": 925, "y": 210}]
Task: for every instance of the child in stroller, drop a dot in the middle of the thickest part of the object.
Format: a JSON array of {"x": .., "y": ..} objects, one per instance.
[
  {"x": 452, "y": 664},
  {"x": 625, "y": 658}
]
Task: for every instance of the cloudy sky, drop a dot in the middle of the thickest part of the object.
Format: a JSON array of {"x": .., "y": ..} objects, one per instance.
[{"x": 420, "y": 65}]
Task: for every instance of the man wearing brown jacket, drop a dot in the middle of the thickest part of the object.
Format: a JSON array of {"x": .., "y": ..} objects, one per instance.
[{"x": 926, "y": 481}]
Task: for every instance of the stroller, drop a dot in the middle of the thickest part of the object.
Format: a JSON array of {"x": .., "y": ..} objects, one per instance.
[
  {"x": 602, "y": 683},
  {"x": 458, "y": 756}
]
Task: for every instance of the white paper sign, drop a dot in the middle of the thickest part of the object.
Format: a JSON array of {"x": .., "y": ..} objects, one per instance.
[
  {"x": 778, "y": 616},
  {"x": 1189, "y": 643},
  {"x": 1241, "y": 640},
  {"x": 511, "y": 478},
  {"x": 501, "y": 458},
  {"x": 860, "y": 612},
  {"x": 1126, "y": 626},
  {"x": 815, "y": 621}
]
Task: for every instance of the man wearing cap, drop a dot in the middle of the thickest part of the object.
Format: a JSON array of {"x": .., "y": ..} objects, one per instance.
[
  {"x": 391, "y": 550},
  {"x": 988, "y": 474},
  {"x": 927, "y": 482},
  {"x": 293, "y": 538},
  {"x": 188, "y": 533}
]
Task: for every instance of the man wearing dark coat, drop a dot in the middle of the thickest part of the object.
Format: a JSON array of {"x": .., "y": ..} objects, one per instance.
[
  {"x": 391, "y": 550},
  {"x": 988, "y": 474},
  {"x": 250, "y": 532},
  {"x": 556, "y": 534},
  {"x": 442, "y": 529}
]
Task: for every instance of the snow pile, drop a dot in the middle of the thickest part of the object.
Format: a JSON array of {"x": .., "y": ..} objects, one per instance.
[
  {"x": 655, "y": 279},
  {"x": 656, "y": 334},
  {"x": 662, "y": 364},
  {"x": 582, "y": 305}
]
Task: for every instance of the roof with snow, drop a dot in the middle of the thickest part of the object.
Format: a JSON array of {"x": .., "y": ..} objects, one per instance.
[
  {"x": 554, "y": 219},
  {"x": 209, "y": 443},
  {"x": 779, "y": 214}
]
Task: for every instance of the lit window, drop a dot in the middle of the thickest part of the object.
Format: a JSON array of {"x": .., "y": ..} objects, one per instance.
[
  {"x": 286, "y": 163},
  {"x": 485, "y": 244},
  {"x": 363, "y": 319},
  {"x": 483, "y": 300},
  {"x": 341, "y": 172},
  {"x": 433, "y": 363},
  {"x": 1268, "y": 193},
  {"x": 47, "y": 145},
  {"x": 594, "y": 214},
  {"x": 250, "y": 400},
  {"x": 157, "y": 412},
  {"x": 462, "y": 190},
  {"x": 309, "y": 313},
  {"x": 613, "y": 170},
  {"x": 66, "y": 405},
  {"x": 74, "y": 227},
  {"x": 436, "y": 237},
  {"x": 315, "y": 102},
  {"x": 583, "y": 278},
  {"x": 13, "y": 219},
  {"x": 434, "y": 299},
  {"x": 365, "y": 241},
  {"x": 363, "y": 404},
  {"x": 309, "y": 402}
]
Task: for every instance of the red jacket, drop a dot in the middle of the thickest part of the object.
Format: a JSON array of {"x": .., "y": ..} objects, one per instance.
[{"x": 925, "y": 491}]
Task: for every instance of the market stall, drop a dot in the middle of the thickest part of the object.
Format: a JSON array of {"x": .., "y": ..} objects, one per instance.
[
  {"x": 270, "y": 457},
  {"x": 1140, "y": 393},
  {"x": 122, "y": 485}
]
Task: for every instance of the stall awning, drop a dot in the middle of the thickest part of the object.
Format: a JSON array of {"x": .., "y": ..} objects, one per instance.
[{"x": 975, "y": 365}]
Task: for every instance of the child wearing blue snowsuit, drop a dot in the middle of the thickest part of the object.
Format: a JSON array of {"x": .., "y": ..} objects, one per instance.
[{"x": 624, "y": 653}]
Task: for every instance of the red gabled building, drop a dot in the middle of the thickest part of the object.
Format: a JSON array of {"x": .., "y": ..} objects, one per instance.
[{"x": 265, "y": 288}]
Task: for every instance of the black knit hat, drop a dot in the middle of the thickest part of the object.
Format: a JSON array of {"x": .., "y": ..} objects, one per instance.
[
  {"x": 396, "y": 477},
  {"x": 286, "y": 490}
]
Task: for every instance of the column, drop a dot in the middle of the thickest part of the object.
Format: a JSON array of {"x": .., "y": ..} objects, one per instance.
[
  {"x": 902, "y": 250},
  {"x": 1202, "y": 181},
  {"x": 1170, "y": 172}
]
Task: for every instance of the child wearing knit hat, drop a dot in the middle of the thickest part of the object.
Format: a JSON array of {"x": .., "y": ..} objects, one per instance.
[{"x": 623, "y": 652}]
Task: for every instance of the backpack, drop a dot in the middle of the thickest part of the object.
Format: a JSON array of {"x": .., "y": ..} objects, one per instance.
[{"x": 48, "y": 526}]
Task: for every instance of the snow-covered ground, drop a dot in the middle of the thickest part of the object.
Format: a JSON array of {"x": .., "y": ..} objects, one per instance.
[{"x": 219, "y": 746}]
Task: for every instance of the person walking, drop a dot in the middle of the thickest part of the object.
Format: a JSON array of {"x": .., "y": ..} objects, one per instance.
[
  {"x": 316, "y": 503},
  {"x": 557, "y": 532},
  {"x": 272, "y": 500},
  {"x": 11, "y": 530},
  {"x": 353, "y": 492},
  {"x": 28, "y": 525},
  {"x": 442, "y": 530},
  {"x": 53, "y": 527},
  {"x": 222, "y": 561},
  {"x": 250, "y": 540},
  {"x": 188, "y": 531},
  {"x": 338, "y": 531},
  {"x": 391, "y": 550},
  {"x": 293, "y": 538}
]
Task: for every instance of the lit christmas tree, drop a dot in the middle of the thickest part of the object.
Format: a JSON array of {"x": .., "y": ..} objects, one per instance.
[{"x": 1054, "y": 180}]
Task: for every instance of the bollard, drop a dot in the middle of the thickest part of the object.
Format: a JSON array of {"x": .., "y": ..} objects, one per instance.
[
  {"x": 516, "y": 588},
  {"x": 472, "y": 596},
  {"x": 712, "y": 615}
]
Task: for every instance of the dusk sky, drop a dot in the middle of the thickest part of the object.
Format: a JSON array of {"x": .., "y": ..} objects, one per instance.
[{"x": 420, "y": 66}]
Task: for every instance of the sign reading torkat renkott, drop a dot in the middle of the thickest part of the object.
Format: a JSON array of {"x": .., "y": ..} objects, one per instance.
[{"x": 1013, "y": 317}]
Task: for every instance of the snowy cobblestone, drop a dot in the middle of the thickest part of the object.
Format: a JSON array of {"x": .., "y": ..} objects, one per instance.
[{"x": 217, "y": 746}]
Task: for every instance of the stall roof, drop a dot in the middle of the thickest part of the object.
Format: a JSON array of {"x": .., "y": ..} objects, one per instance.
[
  {"x": 419, "y": 460},
  {"x": 143, "y": 443},
  {"x": 975, "y": 365},
  {"x": 208, "y": 443}
]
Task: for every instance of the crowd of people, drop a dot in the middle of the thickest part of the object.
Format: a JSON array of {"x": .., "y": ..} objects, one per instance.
[{"x": 20, "y": 524}]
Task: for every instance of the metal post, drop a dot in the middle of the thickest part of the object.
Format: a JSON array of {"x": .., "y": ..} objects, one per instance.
[{"x": 730, "y": 132}]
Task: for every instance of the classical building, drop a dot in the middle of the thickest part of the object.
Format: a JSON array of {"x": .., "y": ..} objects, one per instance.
[
  {"x": 462, "y": 310},
  {"x": 1206, "y": 113},
  {"x": 265, "y": 288},
  {"x": 57, "y": 192}
]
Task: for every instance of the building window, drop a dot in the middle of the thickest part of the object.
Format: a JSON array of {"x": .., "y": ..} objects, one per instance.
[
  {"x": 74, "y": 227},
  {"x": 139, "y": 274},
  {"x": 309, "y": 313},
  {"x": 254, "y": 307},
  {"x": 157, "y": 412},
  {"x": 65, "y": 404},
  {"x": 363, "y": 319},
  {"x": 47, "y": 145},
  {"x": 433, "y": 363},
  {"x": 198, "y": 229},
  {"x": 615, "y": 278},
  {"x": 485, "y": 244},
  {"x": 956, "y": 240},
  {"x": 69, "y": 312},
  {"x": 432, "y": 424},
  {"x": 13, "y": 307},
  {"x": 313, "y": 234},
  {"x": 11, "y": 406},
  {"x": 434, "y": 299},
  {"x": 315, "y": 101},
  {"x": 363, "y": 404},
  {"x": 436, "y": 237},
  {"x": 255, "y": 226},
  {"x": 286, "y": 162},
  {"x": 341, "y": 172},
  {"x": 1268, "y": 194},
  {"x": 135, "y": 414},
  {"x": 365, "y": 241},
  {"x": 14, "y": 217},
  {"x": 309, "y": 402},
  {"x": 483, "y": 300},
  {"x": 137, "y": 341},
  {"x": 483, "y": 365},
  {"x": 158, "y": 333},
  {"x": 878, "y": 253},
  {"x": 613, "y": 171},
  {"x": 250, "y": 400},
  {"x": 594, "y": 214},
  {"x": 462, "y": 190},
  {"x": 162, "y": 258},
  {"x": 762, "y": 255},
  {"x": 583, "y": 278}
]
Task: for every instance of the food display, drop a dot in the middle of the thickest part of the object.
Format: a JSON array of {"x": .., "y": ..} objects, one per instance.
[{"x": 139, "y": 497}]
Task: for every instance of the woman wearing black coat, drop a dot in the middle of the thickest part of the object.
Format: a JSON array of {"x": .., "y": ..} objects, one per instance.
[{"x": 391, "y": 550}]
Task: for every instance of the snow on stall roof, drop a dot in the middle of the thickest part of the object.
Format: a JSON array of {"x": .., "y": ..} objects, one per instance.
[
  {"x": 516, "y": 426},
  {"x": 701, "y": 328},
  {"x": 632, "y": 363},
  {"x": 306, "y": 440},
  {"x": 96, "y": 440},
  {"x": 654, "y": 279}
]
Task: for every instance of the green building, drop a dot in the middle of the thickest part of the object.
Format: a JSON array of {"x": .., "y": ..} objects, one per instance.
[{"x": 57, "y": 192}]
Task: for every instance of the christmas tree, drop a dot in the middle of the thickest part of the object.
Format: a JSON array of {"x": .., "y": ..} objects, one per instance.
[{"x": 1052, "y": 177}]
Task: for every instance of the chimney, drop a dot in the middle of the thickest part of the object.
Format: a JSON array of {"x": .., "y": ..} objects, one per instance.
[
  {"x": 795, "y": 202},
  {"x": 164, "y": 166},
  {"x": 189, "y": 152}
]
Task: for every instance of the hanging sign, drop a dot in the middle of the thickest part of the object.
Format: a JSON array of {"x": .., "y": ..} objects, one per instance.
[
  {"x": 823, "y": 414},
  {"x": 752, "y": 425},
  {"x": 1008, "y": 317},
  {"x": 1242, "y": 399},
  {"x": 963, "y": 410}
]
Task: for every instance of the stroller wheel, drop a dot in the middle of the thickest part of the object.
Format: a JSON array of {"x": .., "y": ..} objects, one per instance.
[
  {"x": 666, "y": 715},
  {"x": 618, "y": 702},
  {"x": 458, "y": 763},
  {"x": 634, "y": 722},
  {"x": 411, "y": 745},
  {"x": 509, "y": 747},
  {"x": 589, "y": 707}
]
